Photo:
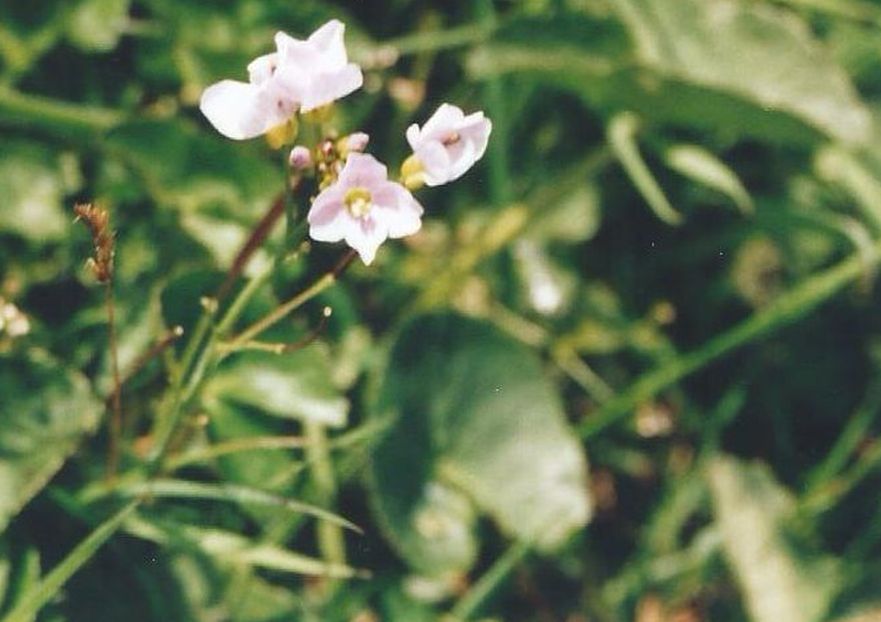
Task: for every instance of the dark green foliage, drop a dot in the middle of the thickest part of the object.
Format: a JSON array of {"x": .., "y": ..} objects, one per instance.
[{"x": 664, "y": 267}]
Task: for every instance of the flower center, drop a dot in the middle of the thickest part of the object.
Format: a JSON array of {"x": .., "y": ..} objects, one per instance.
[
  {"x": 357, "y": 201},
  {"x": 451, "y": 139}
]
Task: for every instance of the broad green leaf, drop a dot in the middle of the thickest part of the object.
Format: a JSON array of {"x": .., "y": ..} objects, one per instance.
[
  {"x": 473, "y": 422},
  {"x": 189, "y": 170},
  {"x": 32, "y": 188},
  {"x": 268, "y": 470},
  {"x": 751, "y": 50},
  {"x": 45, "y": 411},
  {"x": 708, "y": 64},
  {"x": 779, "y": 579},
  {"x": 868, "y": 614},
  {"x": 574, "y": 218},
  {"x": 854, "y": 173},
  {"x": 295, "y": 385}
]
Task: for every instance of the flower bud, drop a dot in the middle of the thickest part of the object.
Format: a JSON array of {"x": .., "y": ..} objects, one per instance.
[
  {"x": 300, "y": 158},
  {"x": 357, "y": 141}
]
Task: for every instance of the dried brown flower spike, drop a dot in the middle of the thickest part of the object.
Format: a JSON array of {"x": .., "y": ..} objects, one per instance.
[
  {"x": 98, "y": 222},
  {"x": 101, "y": 265}
]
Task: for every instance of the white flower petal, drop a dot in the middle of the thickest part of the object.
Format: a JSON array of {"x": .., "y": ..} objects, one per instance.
[
  {"x": 329, "y": 41},
  {"x": 414, "y": 136},
  {"x": 325, "y": 88},
  {"x": 299, "y": 75},
  {"x": 449, "y": 143},
  {"x": 445, "y": 119},
  {"x": 435, "y": 162},
  {"x": 366, "y": 235},
  {"x": 236, "y": 109},
  {"x": 406, "y": 217},
  {"x": 261, "y": 68}
]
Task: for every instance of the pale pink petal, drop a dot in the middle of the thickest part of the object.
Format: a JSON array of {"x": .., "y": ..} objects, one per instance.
[
  {"x": 300, "y": 158},
  {"x": 477, "y": 131},
  {"x": 461, "y": 159},
  {"x": 328, "y": 202},
  {"x": 406, "y": 216},
  {"x": 435, "y": 163},
  {"x": 445, "y": 119},
  {"x": 362, "y": 169},
  {"x": 357, "y": 141},
  {"x": 449, "y": 143},
  {"x": 366, "y": 235},
  {"x": 328, "y": 217}
]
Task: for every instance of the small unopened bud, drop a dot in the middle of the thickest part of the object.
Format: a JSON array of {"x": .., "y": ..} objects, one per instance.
[
  {"x": 300, "y": 158},
  {"x": 357, "y": 142}
]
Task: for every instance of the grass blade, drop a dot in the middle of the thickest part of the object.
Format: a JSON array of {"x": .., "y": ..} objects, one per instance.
[
  {"x": 183, "y": 489},
  {"x": 234, "y": 548},
  {"x": 41, "y": 593}
]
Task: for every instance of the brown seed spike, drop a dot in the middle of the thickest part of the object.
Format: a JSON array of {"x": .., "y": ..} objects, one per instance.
[{"x": 98, "y": 222}]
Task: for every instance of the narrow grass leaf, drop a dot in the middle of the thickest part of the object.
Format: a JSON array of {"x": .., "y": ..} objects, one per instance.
[
  {"x": 183, "y": 489},
  {"x": 233, "y": 548},
  {"x": 45, "y": 590},
  {"x": 621, "y": 135}
]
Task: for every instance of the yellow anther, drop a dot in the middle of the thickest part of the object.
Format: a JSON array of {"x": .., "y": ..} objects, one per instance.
[{"x": 357, "y": 201}]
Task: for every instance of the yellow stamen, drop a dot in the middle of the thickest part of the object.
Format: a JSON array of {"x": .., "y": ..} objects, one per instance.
[
  {"x": 283, "y": 134},
  {"x": 357, "y": 201},
  {"x": 412, "y": 173}
]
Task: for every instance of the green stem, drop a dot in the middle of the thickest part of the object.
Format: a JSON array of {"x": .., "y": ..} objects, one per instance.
[
  {"x": 854, "y": 432},
  {"x": 183, "y": 388},
  {"x": 858, "y": 10},
  {"x": 169, "y": 414},
  {"x": 473, "y": 600},
  {"x": 330, "y": 536},
  {"x": 433, "y": 41},
  {"x": 41, "y": 593},
  {"x": 21, "y": 110},
  {"x": 280, "y": 312},
  {"x": 786, "y": 309},
  {"x": 496, "y": 100}
]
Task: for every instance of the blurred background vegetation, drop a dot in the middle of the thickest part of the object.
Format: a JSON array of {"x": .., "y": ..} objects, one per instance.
[{"x": 664, "y": 267}]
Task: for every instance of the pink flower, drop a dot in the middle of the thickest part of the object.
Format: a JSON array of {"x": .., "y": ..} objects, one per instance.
[
  {"x": 449, "y": 143},
  {"x": 364, "y": 208},
  {"x": 300, "y": 75}
]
